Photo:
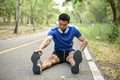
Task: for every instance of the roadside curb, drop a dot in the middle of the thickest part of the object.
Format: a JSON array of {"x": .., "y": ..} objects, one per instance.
[{"x": 95, "y": 71}]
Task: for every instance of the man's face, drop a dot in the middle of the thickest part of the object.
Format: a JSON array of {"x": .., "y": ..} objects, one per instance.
[{"x": 63, "y": 24}]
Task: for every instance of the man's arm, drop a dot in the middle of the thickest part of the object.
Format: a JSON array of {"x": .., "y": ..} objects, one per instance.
[
  {"x": 84, "y": 42},
  {"x": 44, "y": 44}
]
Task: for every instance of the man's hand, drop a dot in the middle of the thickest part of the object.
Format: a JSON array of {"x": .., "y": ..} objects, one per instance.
[{"x": 40, "y": 51}]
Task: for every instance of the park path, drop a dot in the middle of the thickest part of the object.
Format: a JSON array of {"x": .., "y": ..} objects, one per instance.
[{"x": 15, "y": 61}]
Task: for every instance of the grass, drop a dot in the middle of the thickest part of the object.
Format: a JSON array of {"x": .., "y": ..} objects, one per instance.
[{"x": 105, "y": 53}]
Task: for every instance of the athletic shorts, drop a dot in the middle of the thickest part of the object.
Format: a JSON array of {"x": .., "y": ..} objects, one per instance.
[{"x": 62, "y": 55}]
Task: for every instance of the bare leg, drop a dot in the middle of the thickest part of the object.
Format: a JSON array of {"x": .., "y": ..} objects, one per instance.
[
  {"x": 70, "y": 59},
  {"x": 51, "y": 61},
  {"x": 74, "y": 58}
]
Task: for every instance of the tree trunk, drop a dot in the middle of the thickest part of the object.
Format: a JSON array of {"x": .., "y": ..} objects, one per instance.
[
  {"x": 9, "y": 18},
  {"x": 112, "y": 4},
  {"x": 115, "y": 31},
  {"x": 18, "y": 12},
  {"x": 32, "y": 18}
]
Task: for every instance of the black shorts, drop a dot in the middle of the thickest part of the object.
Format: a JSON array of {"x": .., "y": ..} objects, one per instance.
[{"x": 62, "y": 55}]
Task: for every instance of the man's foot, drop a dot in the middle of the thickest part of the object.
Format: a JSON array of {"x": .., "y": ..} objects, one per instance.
[
  {"x": 77, "y": 58},
  {"x": 35, "y": 58}
]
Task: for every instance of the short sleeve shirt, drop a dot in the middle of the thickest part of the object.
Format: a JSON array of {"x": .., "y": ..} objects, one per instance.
[{"x": 64, "y": 41}]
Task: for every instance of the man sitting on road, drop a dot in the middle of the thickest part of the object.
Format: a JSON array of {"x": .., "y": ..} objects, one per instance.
[{"x": 62, "y": 36}]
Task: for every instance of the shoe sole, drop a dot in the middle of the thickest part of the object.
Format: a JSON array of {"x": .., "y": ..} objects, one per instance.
[
  {"x": 34, "y": 58},
  {"x": 78, "y": 58}
]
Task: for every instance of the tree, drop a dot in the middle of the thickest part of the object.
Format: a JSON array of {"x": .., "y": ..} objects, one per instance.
[
  {"x": 2, "y": 10},
  {"x": 18, "y": 12},
  {"x": 113, "y": 7},
  {"x": 7, "y": 10},
  {"x": 99, "y": 12},
  {"x": 33, "y": 4},
  {"x": 115, "y": 30},
  {"x": 38, "y": 11}
]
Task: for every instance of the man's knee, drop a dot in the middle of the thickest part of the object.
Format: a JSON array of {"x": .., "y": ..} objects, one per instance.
[
  {"x": 70, "y": 56},
  {"x": 54, "y": 59},
  {"x": 51, "y": 61},
  {"x": 49, "y": 64}
]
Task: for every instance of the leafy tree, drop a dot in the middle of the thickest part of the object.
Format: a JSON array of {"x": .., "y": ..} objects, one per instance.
[
  {"x": 18, "y": 13},
  {"x": 101, "y": 12},
  {"x": 2, "y": 9},
  {"x": 7, "y": 9},
  {"x": 115, "y": 30},
  {"x": 39, "y": 11}
]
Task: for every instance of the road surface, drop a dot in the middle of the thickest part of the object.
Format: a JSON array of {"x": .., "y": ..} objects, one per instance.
[{"x": 15, "y": 61}]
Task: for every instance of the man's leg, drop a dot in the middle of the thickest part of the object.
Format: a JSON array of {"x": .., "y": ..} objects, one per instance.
[
  {"x": 51, "y": 61},
  {"x": 70, "y": 59},
  {"x": 38, "y": 67},
  {"x": 74, "y": 58}
]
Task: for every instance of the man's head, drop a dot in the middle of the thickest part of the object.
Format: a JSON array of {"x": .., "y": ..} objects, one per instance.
[
  {"x": 64, "y": 20},
  {"x": 64, "y": 17}
]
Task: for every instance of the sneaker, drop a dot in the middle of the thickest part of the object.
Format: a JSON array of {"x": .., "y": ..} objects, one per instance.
[
  {"x": 77, "y": 58},
  {"x": 35, "y": 58}
]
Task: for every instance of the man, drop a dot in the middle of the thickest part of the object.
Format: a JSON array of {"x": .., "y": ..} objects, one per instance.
[{"x": 62, "y": 36}]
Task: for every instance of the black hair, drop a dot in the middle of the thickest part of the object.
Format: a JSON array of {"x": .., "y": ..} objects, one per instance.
[{"x": 64, "y": 17}]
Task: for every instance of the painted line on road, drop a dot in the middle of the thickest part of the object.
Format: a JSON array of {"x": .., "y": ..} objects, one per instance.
[
  {"x": 23, "y": 45},
  {"x": 95, "y": 71}
]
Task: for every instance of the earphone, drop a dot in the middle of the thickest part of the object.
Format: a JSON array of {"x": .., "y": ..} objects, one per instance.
[{"x": 66, "y": 31}]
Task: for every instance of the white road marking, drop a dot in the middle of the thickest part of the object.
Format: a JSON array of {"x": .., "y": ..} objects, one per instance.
[{"x": 95, "y": 71}]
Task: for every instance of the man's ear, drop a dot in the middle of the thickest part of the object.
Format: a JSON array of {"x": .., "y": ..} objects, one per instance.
[{"x": 68, "y": 22}]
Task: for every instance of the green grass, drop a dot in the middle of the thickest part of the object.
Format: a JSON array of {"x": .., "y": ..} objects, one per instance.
[
  {"x": 100, "y": 32},
  {"x": 104, "y": 52},
  {"x": 97, "y": 30}
]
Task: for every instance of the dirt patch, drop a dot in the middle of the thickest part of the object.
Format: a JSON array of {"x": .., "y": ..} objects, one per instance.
[{"x": 7, "y": 31}]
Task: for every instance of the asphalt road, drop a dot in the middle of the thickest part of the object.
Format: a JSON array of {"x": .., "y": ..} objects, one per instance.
[{"x": 15, "y": 61}]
